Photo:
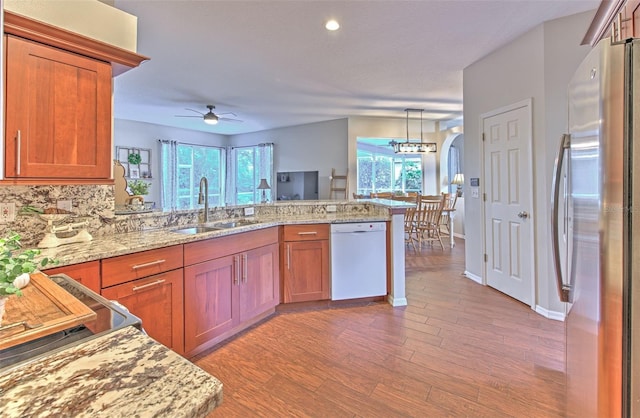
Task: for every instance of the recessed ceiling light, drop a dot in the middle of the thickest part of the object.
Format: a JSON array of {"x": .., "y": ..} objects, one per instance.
[{"x": 332, "y": 25}]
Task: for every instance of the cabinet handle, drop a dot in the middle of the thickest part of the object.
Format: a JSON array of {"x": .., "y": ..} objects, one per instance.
[
  {"x": 144, "y": 286},
  {"x": 308, "y": 233},
  {"x": 151, "y": 263},
  {"x": 18, "y": 151},
  {"x": 244, "y": 268},
  {"x": 236, "y": 265},
  {"x": 288, "y": 257}
]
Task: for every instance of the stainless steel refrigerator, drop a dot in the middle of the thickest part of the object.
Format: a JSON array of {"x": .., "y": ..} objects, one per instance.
[{"x": 595, "y": 223}]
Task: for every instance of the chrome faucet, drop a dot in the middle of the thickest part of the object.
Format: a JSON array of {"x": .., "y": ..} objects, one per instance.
[{"x": 204, "y": 197}]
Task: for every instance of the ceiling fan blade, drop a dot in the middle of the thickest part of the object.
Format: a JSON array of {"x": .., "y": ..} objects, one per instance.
[
  {"x": 230, "y": 120},
  {"x": 194, "y": 111},
  {"x": 227, "y": 113},
  {"x": 187, "y": 116}
]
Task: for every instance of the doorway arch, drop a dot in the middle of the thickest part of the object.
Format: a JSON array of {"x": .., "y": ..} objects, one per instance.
[{"x": 445, "y": 181}]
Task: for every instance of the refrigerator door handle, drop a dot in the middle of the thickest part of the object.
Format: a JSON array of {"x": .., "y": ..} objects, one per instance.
[{"x": 563, "y": 289}]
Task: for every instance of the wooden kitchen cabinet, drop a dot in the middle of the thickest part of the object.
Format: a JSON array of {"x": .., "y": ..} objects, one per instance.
[
  {"x": 150, "y": 284},
  {"x": 158, "y": 301},
  {"x": 87, "y": 274},
  {"x": 231, "y": 283},
  {"x": 58, "y": 114},
  {"x": 305, "y": 263}
]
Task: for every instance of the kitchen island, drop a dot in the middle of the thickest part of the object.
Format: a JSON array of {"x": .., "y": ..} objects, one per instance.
[{"x": 120, "y": 374}]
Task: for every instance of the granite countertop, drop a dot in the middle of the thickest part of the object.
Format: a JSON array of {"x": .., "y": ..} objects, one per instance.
[
  {"x": 121, "y": 374},
  {"x": 127, "y": 243}
]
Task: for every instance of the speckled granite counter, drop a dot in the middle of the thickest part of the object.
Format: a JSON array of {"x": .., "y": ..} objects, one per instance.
[
  {"x": 126, "y": 243},
  {"x": 121, "y": 374}
]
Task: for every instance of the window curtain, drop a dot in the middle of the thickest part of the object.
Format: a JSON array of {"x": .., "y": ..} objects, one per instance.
[
  {"x": 230, "y": 195},
  {"x": 454, "y": 167},
  {"x": 168, "y": 179},
  {"x": 264, "y": 159}
]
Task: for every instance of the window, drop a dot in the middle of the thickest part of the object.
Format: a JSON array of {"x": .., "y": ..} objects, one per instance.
[
  {"x": 381, "y": 170},
  {"x": 250, "y": 165},
  {"x": 183, "y": 165}
]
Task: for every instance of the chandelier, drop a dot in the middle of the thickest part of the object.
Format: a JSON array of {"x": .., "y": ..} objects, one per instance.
[{"x": 409, "y": 147}]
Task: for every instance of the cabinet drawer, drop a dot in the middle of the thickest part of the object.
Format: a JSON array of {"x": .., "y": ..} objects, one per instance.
[
  {"x": 129, "y": 267},
  {"x": 86, "y": 273},
  {"x": 306, "y": 232}
]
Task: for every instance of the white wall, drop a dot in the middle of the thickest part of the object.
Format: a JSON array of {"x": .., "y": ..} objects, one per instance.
[
  {"x": 537, "y": 65},
  {"x": 313, "y": 147},
  {"x": 146, "y": 135}
]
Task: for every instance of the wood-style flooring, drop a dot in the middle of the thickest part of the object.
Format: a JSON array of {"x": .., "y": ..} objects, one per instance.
[{"x": 458, "y": 349}]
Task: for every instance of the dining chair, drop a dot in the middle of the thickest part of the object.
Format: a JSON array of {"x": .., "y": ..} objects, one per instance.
[
  {"x": 427, "y": 222},
  {"x": 449, "y": 206},
  {"x": 410, "y": 237},
  {"x": 382, "y": 195}
]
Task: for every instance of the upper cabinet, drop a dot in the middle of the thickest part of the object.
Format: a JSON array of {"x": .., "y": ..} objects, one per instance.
[
  {"x": 58, "y": 113},
  {"x": 619, "y": 20}
]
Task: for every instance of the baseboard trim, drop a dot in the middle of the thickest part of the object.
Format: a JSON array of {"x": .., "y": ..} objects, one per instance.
[
  {"x": 396, "y": 301},
  {"x": 556, "y": 316},
  {"x": 473, "y": 277}
]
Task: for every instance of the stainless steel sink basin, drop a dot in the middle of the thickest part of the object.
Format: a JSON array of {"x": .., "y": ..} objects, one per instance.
[
  {"x": 234, "y": 224},
  {"x": 196, "y": 230}
]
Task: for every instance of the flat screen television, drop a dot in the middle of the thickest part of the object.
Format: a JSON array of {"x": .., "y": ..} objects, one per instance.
[{"x": 297, "y": 185}]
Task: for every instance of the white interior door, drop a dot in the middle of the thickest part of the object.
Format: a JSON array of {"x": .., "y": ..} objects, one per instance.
[{"x": 508, "y": 185}]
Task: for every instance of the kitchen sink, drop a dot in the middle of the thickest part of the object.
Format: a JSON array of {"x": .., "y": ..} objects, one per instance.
[
  {"x": 196, "y": 230},
  {"x": 234, "y": 224}
]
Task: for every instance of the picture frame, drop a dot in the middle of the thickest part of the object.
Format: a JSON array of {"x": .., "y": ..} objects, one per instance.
[{"x": 134, "y": 173}]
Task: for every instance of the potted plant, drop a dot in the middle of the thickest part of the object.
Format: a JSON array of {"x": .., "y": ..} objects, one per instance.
[
  {"x": 138, "y": 187},
  {"x": 15, "y": 268}
]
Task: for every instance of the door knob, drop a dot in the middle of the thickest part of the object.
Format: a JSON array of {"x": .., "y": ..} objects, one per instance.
[{"x": 523, "y": 215}]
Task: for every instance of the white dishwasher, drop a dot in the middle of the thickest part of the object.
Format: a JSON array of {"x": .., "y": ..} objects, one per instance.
[{"x": 358, "y": 260}]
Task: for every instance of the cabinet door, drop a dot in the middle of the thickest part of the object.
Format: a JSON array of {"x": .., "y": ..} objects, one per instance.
[
  {"x": 58, "y": 113},
  {"x": 306, "y": 271},
  {"x": 259, "y": 287},
  {"x": 211, "y": 299},
  {"x": 86, "y": 273},
  {"x": 158, "y": 302}
]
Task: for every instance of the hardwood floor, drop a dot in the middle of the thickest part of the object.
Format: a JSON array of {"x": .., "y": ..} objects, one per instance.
[{"x": 458, "y": 349}]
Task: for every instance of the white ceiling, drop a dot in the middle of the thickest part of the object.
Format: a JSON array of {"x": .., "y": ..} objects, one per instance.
[{"x": 273, "y": 63}]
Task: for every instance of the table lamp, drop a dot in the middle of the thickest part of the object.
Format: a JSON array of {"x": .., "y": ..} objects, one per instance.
[
  {"x": 458, "y": 180},
  {"x": 264, "y": 186}
]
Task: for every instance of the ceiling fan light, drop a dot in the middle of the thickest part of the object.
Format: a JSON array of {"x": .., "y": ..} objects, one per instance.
[
  {"x": 332, "y": 25},
  {"x": 210, "y": 119}
]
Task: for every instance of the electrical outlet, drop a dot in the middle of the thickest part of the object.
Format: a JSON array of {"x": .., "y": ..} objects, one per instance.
[
  {"x": 7, "y": 212},
  {"x": 64, "y": 205},
  {"x": 331, "y": 208},
  {"x": 248, "y": 211}
]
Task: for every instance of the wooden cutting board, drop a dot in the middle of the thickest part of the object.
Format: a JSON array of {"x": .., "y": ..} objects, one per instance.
[{"x": 45, "y": 306}]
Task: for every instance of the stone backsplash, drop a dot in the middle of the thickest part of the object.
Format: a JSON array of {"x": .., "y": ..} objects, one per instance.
[{"x": 95, "y": 204}]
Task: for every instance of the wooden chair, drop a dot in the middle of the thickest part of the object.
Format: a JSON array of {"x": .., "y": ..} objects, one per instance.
[
  {"x": 410, "y": 236},
  {"x": 361, "y": 196},
  {"x": 450, "y": 200},
  {"x": 427, "y": 222},
  {"x": 382, "y": 195},
  {"x": 409, "y": 219}
]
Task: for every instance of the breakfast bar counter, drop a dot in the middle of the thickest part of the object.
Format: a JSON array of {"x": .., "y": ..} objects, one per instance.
[{"x": 121, "y": 374}]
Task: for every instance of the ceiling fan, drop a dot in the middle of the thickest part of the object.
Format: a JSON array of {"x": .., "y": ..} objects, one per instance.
[{"x": 210, "y": 118}]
